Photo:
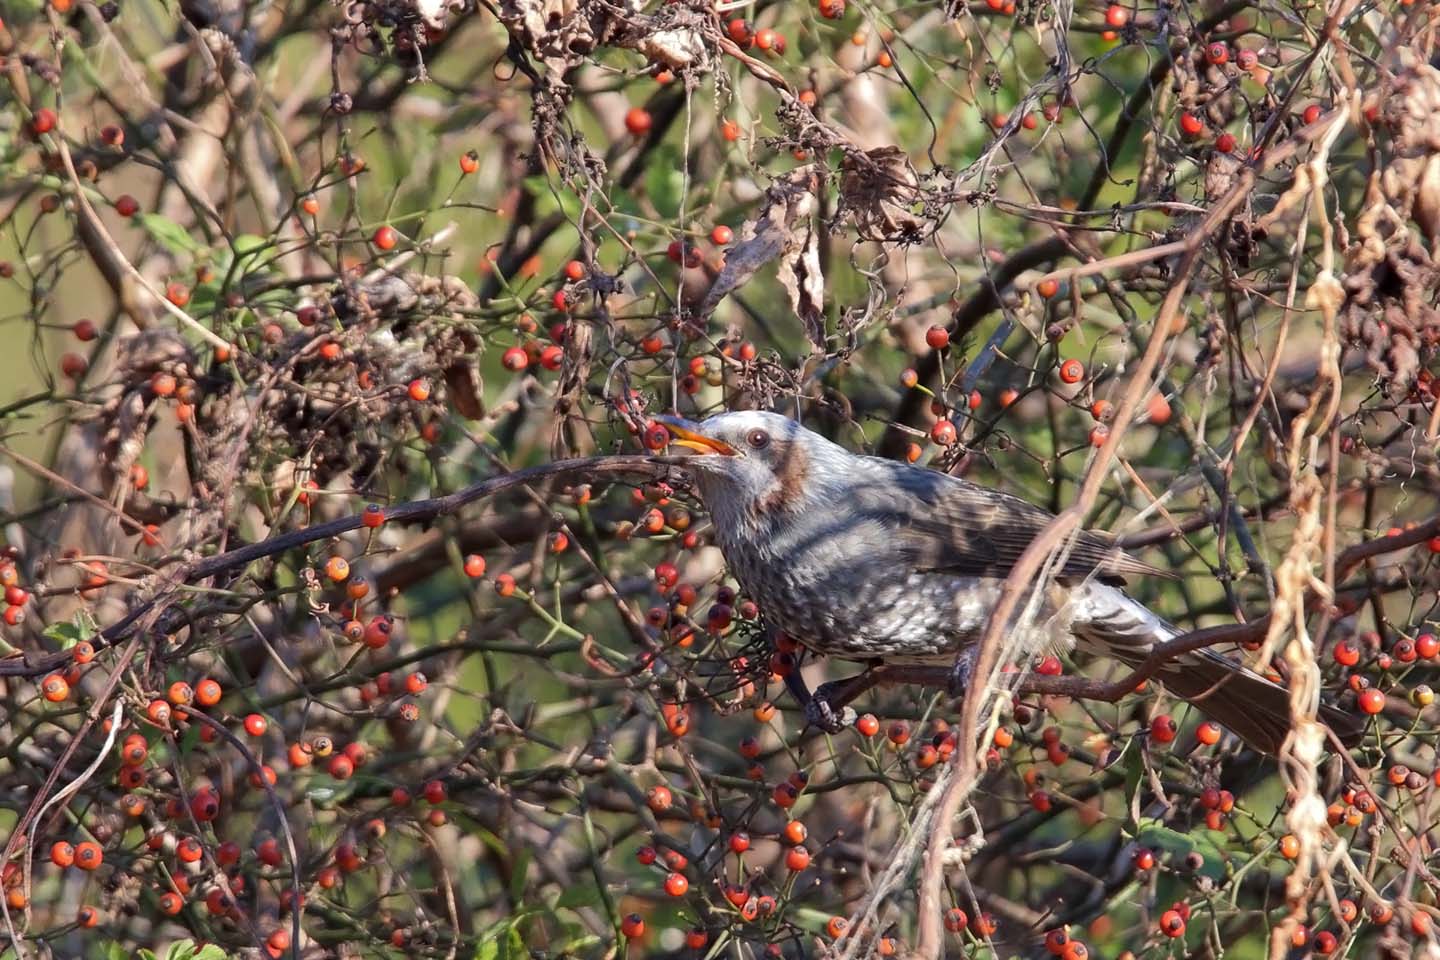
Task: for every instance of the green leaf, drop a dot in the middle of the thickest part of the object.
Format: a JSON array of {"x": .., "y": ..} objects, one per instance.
[
  {"x": 1152, "y": 833},
  {"x": 64, "y": 634},
  {"x": 168, "y": 233},
  {"x": 665, "y": 180},
  {"x": 249, "y": 249},
  {"x": 551, "y": 198},
  {"x": 502, "y": 940},
  {"x": 519, "y": 874},
  {"x": 181, "y": 950},
  {"x": 250, "y": 243},
  {"x": 582, "y": 895},
  {"x": 113, "y": 951},
  {"x": 210, "y": 952},
  {"x": 79, "y": 627}
]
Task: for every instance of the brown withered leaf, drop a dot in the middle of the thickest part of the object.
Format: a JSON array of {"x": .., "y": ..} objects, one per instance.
[
  {"x": 801, "y": 277},
  {"x": 876, "y": 188},
  {"x": 783, "y": 227},
  {"x": 465, "y": 388}
]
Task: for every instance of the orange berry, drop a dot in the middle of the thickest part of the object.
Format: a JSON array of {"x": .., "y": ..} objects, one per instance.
[
  {"x": 54, "y": 688},
  {"x": 88, "y": 855},
  {"x": 62, "y": 853},
  {"x": 208, "y": 692}
]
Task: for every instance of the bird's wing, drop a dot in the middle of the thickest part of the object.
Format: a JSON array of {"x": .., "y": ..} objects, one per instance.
[{"x": 949, "y": 525}]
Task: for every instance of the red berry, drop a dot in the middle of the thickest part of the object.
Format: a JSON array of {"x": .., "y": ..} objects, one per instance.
[
  {"x": 469, "y": 162},
  {"x": 73, "y": 365},
  {"x": 1225, "y": 143},
  {"x": 1372, "y": 701},
  {"x": 638, "y": 121},
  {"x": 1427, "y": 646},
  {"x": 937, "y": 337},
  {"x": 867, "y": 724},
  {"x": 126, "y": 205},
  {"x": 1163, "y": 728},
  {"x": 515, "y": 359},
  {"x": 943, "y": 433},
  {"x": 205, "y": 805},
  {"x": 1217, "y": 53},
  {"x": 676, "y": 885},
  {"x": 722, "y": 235},
  {"x": 1311, "y": 114},
  {"x": 1072, "y": 371},
  {"x": 1347, "y": 652},
  {"x": 1191, "y": 125},
  {"x": 1116, "y": 16},
  {"x": 655, "y": 437},
  {"x": 43, "y": 121},
  {"x": 1172, "y": 924},
  {"x": 386, "y": 237},
  {"x": 256, "y": 725}
]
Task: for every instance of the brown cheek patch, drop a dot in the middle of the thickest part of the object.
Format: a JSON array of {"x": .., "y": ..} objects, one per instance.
[{"x": 790, "y": 470}]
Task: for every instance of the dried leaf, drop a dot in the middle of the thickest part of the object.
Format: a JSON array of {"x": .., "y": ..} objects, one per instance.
[
  {"x": 676, "y": 48},
  {"x": 783, "y": 227},
  {"x": 800, "y": 275},
  {"x": 876, "y": 188},
  {"x": 465, "y": 389}
]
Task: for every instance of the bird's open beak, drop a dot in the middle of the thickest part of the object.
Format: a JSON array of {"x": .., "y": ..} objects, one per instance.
[{"x": 687, "y": 434}]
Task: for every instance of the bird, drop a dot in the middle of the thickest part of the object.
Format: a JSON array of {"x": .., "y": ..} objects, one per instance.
[{"x": 882, "y": 562}]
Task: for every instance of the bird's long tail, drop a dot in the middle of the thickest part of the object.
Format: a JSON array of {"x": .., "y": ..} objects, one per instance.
[{"x": 1254, "y": 708}]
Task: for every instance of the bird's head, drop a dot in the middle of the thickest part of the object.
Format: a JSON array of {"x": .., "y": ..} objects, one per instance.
[{"x": 760, "y": 464}]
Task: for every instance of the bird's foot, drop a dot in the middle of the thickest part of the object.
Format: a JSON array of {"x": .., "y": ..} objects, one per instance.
[
  {"x": 816, "y": 706},
  {"x": 962, "y": 671},
  {"x": 820, "y": 713}
]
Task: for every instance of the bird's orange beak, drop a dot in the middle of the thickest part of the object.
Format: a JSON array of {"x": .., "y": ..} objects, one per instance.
[{"x": 687, "y": 434}]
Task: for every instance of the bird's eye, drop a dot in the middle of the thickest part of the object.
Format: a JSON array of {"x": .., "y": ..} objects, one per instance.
[{"x": 758, "y": 439}]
